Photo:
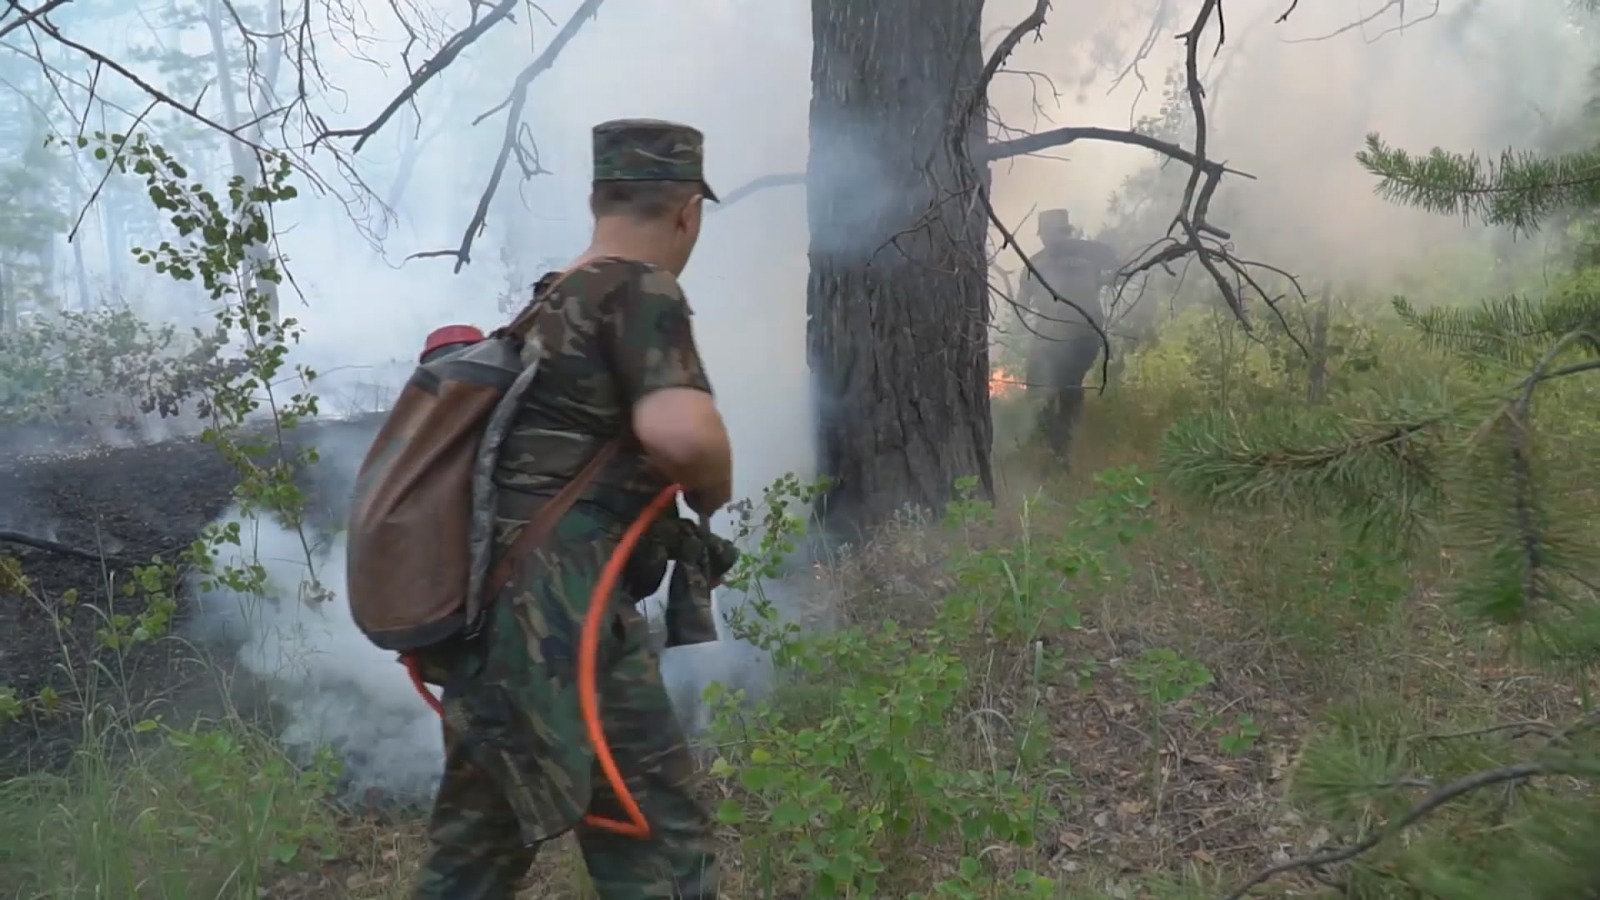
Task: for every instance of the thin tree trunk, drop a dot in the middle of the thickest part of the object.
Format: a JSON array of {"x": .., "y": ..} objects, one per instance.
[
  {"x": 80, "y": 271},
  {"x": 897, "y": 296},
  {"x": 8, "y": 309},
  {"x": 115, "y": 242},
  {"x": 244, "y": 162},
  {"x": 408, "y": 162},
  {"x": 1317, "y": 378}
]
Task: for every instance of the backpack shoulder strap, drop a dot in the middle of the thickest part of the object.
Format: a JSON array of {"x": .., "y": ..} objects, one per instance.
[
  {"x": 546, "y": 519},
  {"x": 518, "y": 327},
  {"x": 608, "y": 280}
]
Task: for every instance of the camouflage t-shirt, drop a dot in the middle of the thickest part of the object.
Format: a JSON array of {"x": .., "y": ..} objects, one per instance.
[{"x": 613, "y": 331}]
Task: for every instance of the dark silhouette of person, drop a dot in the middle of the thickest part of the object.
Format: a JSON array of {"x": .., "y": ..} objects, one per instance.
[{"x": 1062, "y": 345}]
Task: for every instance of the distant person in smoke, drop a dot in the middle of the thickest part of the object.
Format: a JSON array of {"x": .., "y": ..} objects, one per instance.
[
  {"x": 620, "y": 362},
  {"x": 1062, "y": 345}
]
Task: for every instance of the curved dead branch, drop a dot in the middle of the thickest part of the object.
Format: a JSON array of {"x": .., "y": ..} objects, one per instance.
[
  {"x": 994, "y": 151},
  {"x": 1362, "y": 23},
  {"x": 756, "y": 186},
  {"x": 979, "y": 90},
  {"x": 1441, "y": 795},
  {"x": 434, "y": 65},
  {"x": 10, "y": 22},
  {"x": 1435, "y": 799}
]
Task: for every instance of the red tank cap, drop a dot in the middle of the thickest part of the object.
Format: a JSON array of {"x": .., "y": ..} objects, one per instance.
[{"x": 450, "y": 334}]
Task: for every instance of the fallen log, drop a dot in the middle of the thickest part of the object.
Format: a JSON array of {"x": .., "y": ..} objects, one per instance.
[{"x": 39, "y": 543}]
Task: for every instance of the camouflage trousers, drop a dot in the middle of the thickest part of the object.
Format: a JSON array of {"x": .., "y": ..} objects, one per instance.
[
  {"x": 519, "y": 766},
  {"x": 1056, "y": 370}
]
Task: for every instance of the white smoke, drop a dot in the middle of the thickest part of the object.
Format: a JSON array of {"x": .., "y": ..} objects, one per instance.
[{"x": 335, "y": 689}]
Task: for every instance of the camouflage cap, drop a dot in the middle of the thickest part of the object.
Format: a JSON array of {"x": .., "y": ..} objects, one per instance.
[{"x": 650, "y": 150}]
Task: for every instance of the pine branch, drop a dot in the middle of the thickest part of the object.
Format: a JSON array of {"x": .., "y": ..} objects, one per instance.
[
  {"x": 1526, "y": 563},
  {"x": 1559, "y": 756},
  {"x": 1380, "y": 475},
  {"x": 1519, "y": 191},
  {"x": 1514, "y": 330},
  {"x": 1524, "y": 566}
]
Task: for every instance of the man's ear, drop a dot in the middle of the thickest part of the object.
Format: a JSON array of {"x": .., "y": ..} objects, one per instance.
[{"x": 690, "y": 212}]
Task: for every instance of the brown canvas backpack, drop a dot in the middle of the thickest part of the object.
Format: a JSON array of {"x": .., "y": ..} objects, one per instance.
[{"x": 419, "y": 565}]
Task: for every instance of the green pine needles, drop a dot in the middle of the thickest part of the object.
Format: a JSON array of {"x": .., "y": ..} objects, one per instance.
[
  {"x": 1522, "y": 190},
  {"x": 1495, "y": 476}
]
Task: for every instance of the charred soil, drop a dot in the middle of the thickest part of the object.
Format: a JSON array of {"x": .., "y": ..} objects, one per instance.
[{"x": 76, "y": 524}]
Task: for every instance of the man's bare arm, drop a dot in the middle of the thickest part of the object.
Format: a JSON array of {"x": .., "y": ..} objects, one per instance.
[{"x": 684, "y": 437}]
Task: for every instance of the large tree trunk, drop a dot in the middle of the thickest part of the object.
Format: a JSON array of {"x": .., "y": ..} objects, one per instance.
[{"x": 897, "y": 298}]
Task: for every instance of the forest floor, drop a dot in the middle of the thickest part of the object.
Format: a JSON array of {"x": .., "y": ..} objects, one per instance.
[
  {"x": 1159, "y": 718},
  {"x": 76, "y": 527},
  {"x": 118, "y": 508}
]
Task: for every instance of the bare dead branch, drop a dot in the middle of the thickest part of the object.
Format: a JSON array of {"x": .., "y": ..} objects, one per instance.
[
  {"x": 1510, "y": 729},
  {"x": 1437, "y": 798},
  {"x": 113, "y": 164},
  {"x": 765, "y": 182},
  {"x": 435, "y": 64},
  {"x": 1008, "y": 239},
  {"x": 1033, "y": 22},
  {"x": 25, "y": 15},
  {"x": 150, "y": 90},
  {"x": 1060, "y": 137},
  {"x": 510, "y": 143},
  {"x": 1157, "y": 21},
  {"x": 995, "y": 151},
  {"x": 1191, "y": 234},
  {"x": 38, "y": 543},
  {"x": 1362, "y": 23}
]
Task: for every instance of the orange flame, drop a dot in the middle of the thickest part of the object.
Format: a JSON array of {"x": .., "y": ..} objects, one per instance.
[{"x": 1003, "y": 382}]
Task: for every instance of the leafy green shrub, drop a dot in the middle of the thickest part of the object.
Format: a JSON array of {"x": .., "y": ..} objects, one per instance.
[
  {"x": 107, "y": 366},
  {"x": 873, "y": 750}
]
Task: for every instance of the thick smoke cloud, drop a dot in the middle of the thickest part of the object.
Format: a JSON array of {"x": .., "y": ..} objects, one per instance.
[{"x": 1292, "y": 103}]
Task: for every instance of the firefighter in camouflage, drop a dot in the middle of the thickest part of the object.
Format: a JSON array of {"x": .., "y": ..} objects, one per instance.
[{"x": 619, "y": 359}]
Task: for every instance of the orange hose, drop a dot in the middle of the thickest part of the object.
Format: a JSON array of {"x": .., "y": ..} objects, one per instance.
[
  {"x": 589, "y": 663},
  {"x": 588, "y": 676},
  {"x": 415, "y": 668}
]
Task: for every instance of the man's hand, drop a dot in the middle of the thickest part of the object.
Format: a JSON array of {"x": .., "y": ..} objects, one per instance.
[{"x": 705, "y": 502}]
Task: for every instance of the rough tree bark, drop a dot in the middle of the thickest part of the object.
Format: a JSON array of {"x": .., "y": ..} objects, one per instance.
[{"x": 897, "y": 297}]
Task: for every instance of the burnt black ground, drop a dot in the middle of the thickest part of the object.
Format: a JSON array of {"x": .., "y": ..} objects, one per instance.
[{"x": 126, "y": 505}]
